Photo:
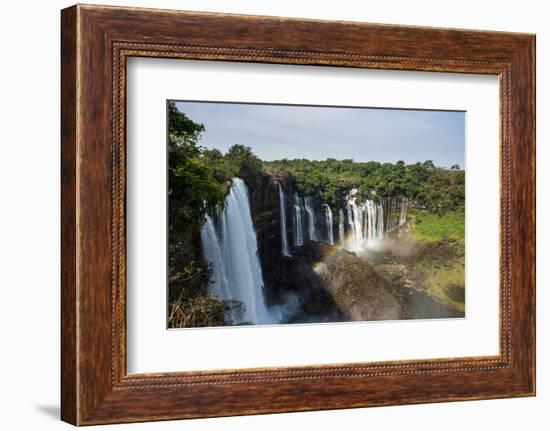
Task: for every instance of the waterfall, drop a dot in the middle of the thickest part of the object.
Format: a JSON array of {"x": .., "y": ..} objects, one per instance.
[
  {"x": 380, "y": 219},
  {"x": 396, "y": 213},
  {"x": 211, "y": 248},
  {"x": 328, "y": 220},
  {"x": 350, "y": 221},
  {"x": 297, "y": 231},
  {"x": 403, "y": 216},
  {"x": 391, "y": 211},
  {"x": 371, "y": 220},
  {"x": 282, "y": 210},
  {"x": 358, "y": 223},
  {"x": 341, "y": 234},
  {"x": 370, "y": 208},
  {"x": 230, "y": 245},
  {"x": 310, "y": 218},
  {"x": 232, "y": 253},
  {"x": 368, "y": 220}
]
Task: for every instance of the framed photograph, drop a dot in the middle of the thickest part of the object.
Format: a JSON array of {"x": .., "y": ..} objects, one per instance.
[{"x": 265, "y": 215}]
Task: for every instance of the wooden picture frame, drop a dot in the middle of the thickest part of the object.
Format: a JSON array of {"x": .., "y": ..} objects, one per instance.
[{"x": 95, "y": 43}]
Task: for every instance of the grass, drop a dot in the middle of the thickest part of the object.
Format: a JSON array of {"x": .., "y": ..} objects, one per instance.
[
  {"x": 445, "y": 283},
  {"x": 443, "y": 265},
  {"x": 428, "y": 226}
]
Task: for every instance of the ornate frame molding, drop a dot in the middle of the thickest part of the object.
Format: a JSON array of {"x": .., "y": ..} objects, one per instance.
[{"x": 96, "y": 41}]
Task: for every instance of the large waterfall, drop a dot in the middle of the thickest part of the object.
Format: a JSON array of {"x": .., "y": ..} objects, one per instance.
[
  {"x": 282, "y": 210},
  {"x": 230, "y": 248}
]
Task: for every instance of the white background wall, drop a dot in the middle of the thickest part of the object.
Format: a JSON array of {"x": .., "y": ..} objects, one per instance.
[{"x": 29, "y": 215}]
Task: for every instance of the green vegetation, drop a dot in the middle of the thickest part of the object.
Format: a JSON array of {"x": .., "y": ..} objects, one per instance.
[
  {"x": 190, "y": 305},
  {"x": 191, "y": 190},
  {"x": 428, "y": 226},
  {"x": 446, "y": 284},
  {"x": 199, "y": 179},
  {"x": 192, "y": 186},
  {"x": 440, "y": 264},
  {"x": 441, "y": 257},
  {"x": 198, "y": 176},
  {"x": 434, "y": 189}
]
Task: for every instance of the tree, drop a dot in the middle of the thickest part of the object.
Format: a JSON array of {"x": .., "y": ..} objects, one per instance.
[
  {"x": 181, "y": 128},
  {"x": 242, "y": 161},
  {"x": 193, "y": 190},
  {"x": 428, "y": 164},
  {"x": 191, "y": 186},
  {"x": 429, "y": 187}
]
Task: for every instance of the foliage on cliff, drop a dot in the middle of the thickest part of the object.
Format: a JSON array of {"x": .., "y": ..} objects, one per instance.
[
  {"x": 191, "y": 189},
  {"x": 191, "y": 185},
  {"x": 199, "y": 178},
  {"x": 433, "y": 188},
  {"x": 204, "y": 174}
]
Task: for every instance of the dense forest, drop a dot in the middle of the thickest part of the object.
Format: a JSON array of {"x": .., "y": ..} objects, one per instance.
[{"x": 199, "y": 180}]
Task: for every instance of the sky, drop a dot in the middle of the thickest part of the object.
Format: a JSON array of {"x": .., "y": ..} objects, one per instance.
[{"x": 316, "y": 133}]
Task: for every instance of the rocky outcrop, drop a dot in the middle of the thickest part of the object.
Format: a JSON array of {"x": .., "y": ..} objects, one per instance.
[
  {"x": 358, "y": 290},
  {"x": 330, "y": 283},
  {"x": 276, "y": 268}
]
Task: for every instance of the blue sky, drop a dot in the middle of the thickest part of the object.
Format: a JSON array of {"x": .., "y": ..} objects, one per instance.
[{"x": 316, "y": 133}]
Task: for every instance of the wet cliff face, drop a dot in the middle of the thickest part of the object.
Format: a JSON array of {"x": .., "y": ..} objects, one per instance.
[
  {"x": 353, "y": 263},
  {"x": 329, "y": 283},
  {"x": 277, "y": 269}
]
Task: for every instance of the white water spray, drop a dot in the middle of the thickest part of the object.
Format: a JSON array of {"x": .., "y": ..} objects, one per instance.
[
  {"x": 211, "y": 248},
  {"x": 233, "y": 256}
]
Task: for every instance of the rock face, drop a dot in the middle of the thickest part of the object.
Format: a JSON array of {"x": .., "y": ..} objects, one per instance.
[
  {"x": 264, "y": 199},
  {"x": 358, "y": 290},
  {"x": 329, "y": 283}
]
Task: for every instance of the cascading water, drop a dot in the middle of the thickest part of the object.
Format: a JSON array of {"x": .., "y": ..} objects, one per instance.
[
  {"x": 368, "y": 220},
  {"x": 341, "y": 234},
  {"x": 230, "y": 247},
  {"x": 310, "y": 218},
  {"x": 233, "y": 256},
  {"x": 403, "y": 215},
  {"x": 297, "y": 231},
  {"x": 328, "y": 220},
  {"x": 356, "y": 216},
  {"x": 350, "y": 221},
  {"x": 380, "y": 218},
  {"x": 211, "y": 248},
  {"x": 397, "y": 213},
  {"x": 282, "y": 210},
  {"x": 371, "y": 220}
]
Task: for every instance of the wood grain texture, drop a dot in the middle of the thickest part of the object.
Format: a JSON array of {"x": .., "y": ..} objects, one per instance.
[
  {"x": 96, "y": 41},
  {"x": 69, "y": 367}
]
